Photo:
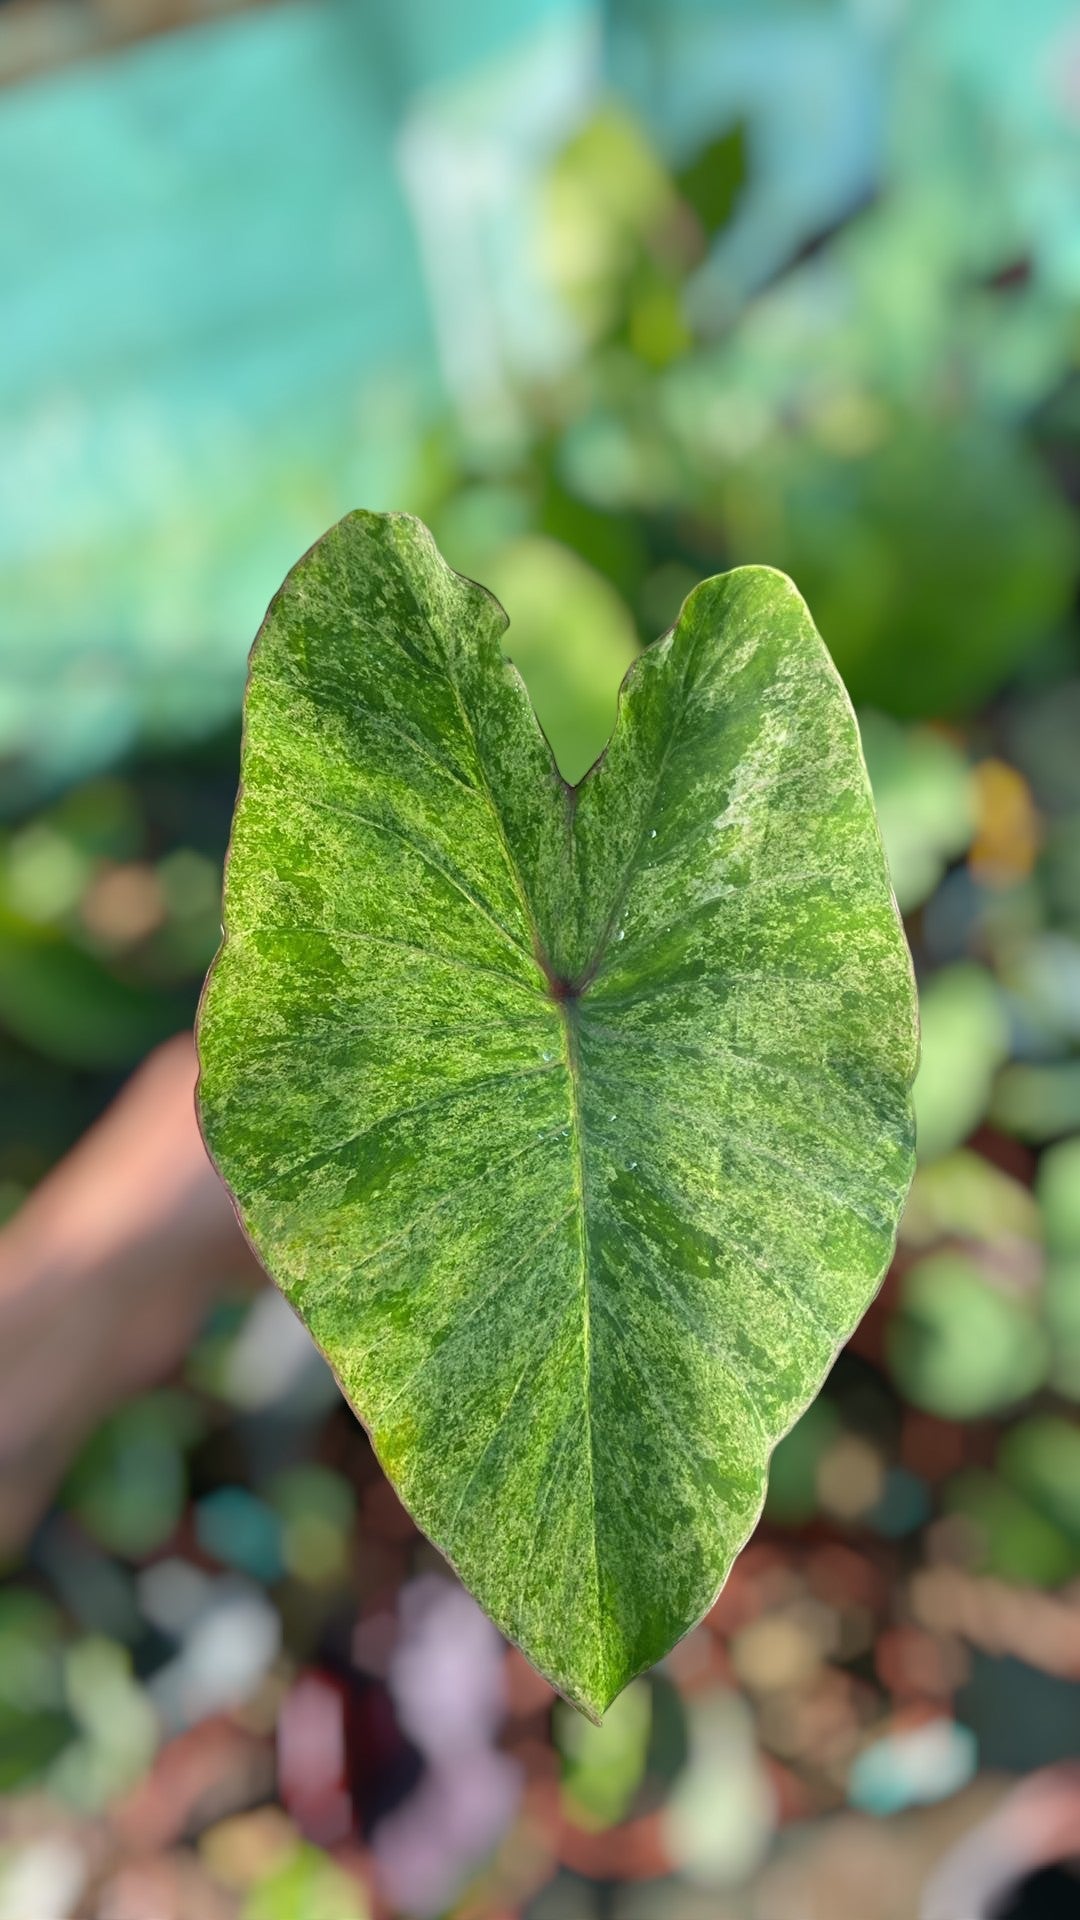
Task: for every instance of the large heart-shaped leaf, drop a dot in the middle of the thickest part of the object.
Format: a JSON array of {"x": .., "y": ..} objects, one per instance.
[{"x": 575, "y": 1122}]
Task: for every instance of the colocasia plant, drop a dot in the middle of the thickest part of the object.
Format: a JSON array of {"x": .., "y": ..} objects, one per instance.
[{"x": 575, "y": 1122}]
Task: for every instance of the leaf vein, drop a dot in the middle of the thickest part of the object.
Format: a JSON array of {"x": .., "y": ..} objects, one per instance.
[
  {"x": 381, "y": 940},
  {"x": 482, "y": 1300},
  {"x": 312, "y": 1161},
  {"x": 408, "y": 840}
]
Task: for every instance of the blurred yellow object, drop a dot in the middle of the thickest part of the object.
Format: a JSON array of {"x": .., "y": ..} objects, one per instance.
[
  {"x": 1009, "y": 830},
  {"x": 239, "y": 1850}
]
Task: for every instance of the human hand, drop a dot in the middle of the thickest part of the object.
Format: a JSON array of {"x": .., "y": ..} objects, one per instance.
[{"x": 105, "y": 1274}]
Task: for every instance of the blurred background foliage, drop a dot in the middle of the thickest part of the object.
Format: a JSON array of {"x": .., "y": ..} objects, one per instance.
[{"x": 614, "y": 296}]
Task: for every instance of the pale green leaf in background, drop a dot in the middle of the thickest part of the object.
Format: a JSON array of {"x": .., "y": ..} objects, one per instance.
[
  {"x": 924, "y": 797},
  {"x": 965, "y": 1038},
  {"x": 603, "y": 1767},
  {"x": 574, "y": 1122},
  {"x": 964, "y": 1342},
  {"x": 572, "y": 642},
  {"x": 1059, "y": 1198}
]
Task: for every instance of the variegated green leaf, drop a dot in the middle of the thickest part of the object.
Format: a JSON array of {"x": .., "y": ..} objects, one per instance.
[{"x": 574, "y": 1122}]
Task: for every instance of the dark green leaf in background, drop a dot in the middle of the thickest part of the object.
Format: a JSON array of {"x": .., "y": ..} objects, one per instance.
[
  {"x": 575, "y": 1122},
  {"x": 710, "y": 183}
]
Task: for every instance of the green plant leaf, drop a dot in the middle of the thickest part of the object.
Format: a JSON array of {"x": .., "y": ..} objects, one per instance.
[{"x": 575, "y": 1123}]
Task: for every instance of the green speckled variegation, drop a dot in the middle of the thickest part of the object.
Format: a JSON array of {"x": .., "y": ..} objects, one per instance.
[{"x": 575, "y": 1123}]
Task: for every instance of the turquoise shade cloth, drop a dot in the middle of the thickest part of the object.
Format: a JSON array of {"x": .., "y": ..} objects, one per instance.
[
  {"x": 243, "y": 267},
  {"x": 216, "y": 338}
]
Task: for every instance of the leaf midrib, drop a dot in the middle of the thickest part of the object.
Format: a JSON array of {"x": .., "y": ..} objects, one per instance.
[
  {"x": 569, "y": 1016},
  {"x": 566, "y": 996},
  {"x": 573, "y": 1067}
]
